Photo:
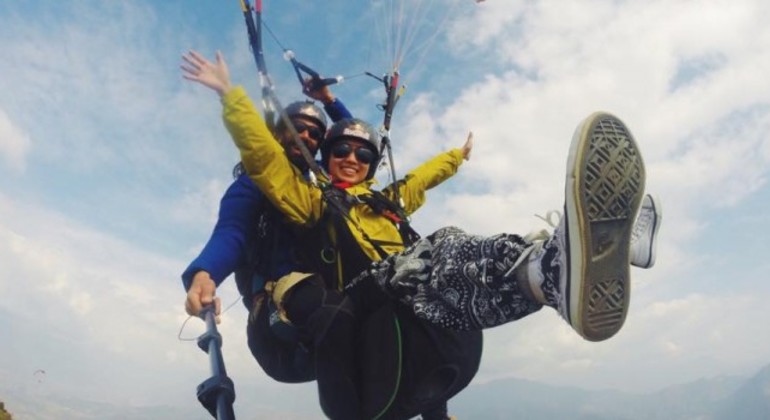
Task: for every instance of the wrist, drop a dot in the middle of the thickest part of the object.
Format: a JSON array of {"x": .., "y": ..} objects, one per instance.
[
  {"x": 223, "y": 89},
  {"x": 201, "y": 275}
]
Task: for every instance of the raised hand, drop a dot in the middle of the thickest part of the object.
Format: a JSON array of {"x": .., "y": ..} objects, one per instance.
[
  {"x": 468, "y": 146},
  {"x": 322, "y": 93},
  {"x": 215, "y": 76}
]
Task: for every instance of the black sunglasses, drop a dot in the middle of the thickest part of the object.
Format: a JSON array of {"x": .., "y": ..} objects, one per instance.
[
  {"x": 344, "y": 149},
  {"x": 313, "y": 132}
]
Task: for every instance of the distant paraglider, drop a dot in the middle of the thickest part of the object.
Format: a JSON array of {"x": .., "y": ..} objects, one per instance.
[{"x": 39, "y": 375}]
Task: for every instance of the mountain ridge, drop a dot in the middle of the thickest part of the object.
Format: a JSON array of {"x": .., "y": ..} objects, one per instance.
[{"x": 717, "y": 398}]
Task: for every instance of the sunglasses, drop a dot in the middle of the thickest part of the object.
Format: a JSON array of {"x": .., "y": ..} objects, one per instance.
[
  {"x": 344, "y": 149},
  {"x": 313, "y": 132}
]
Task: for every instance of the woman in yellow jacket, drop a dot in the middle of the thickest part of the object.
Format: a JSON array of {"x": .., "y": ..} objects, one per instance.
[{"x": 353, "y": 339}]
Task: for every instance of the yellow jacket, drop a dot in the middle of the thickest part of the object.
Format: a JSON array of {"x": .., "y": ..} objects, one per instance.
[{"x": 283, "y": 184}]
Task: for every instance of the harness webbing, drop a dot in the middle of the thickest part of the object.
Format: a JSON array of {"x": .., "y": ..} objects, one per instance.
[
  {"x": 254, "y": 29},
  {"x": 392, "y": 211},
  {"x": 334, "y": 198}
]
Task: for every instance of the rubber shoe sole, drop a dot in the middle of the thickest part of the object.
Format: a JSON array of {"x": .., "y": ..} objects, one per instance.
[{"x": 604, "y": 189}]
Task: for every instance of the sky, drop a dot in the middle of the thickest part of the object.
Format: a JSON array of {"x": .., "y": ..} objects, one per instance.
[{"x": 112, "y": 167}]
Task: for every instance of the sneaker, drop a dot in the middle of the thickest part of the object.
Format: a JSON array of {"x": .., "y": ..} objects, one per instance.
[
  {"x": 582, "y": 269},
  {"x": 644, "y": 237}
]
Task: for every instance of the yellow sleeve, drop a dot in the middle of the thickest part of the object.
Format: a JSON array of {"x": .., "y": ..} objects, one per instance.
[
  {"x": 266, "y": 163},
  {"x": 426, "y": 176}
]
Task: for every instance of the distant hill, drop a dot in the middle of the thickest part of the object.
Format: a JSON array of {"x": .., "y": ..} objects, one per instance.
[
  {"x": 4, "y": 415},
  {"x": 720, "y": 398},
  {"x": 751, "y": 401}
]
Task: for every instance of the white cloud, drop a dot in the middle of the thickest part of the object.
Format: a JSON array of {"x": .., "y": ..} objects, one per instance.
[
  {"x": 200, "y": 205},
  {"x": 686, "y": 338},
  {"x": 98, "y": 97},
  {"x": 14, "y": 144},
  {"x": 123, "y": 302},
  {"x": 707, "y": 140}
]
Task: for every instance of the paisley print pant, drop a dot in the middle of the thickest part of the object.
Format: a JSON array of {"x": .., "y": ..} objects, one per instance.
[{"x": 456, "y": 280}]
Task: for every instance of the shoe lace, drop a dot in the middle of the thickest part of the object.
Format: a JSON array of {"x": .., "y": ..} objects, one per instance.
[
  {"x": 549, "y": 215},
  {"x": 537, "y": 238},
  {"x": 642, "y": 223}
]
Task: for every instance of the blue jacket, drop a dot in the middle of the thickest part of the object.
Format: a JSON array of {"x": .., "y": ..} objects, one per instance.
[{"x": 249, "y": 237}]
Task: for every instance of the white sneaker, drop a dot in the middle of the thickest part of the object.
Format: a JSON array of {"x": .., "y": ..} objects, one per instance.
[
  {"x": 605, "y": 183},
  {"x": 582, "y": 269},
  {"x": 644, "y": 237}
]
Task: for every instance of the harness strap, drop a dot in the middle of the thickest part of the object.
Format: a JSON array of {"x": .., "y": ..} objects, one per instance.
[
  {"x": 382, "y": 205},
  {"x": 334, "y": 197}
]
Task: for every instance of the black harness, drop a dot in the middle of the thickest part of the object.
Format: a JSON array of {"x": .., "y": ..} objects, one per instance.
[{"x": 334, "y": 233}]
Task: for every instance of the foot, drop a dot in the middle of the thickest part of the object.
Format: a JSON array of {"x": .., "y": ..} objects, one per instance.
[
  {"x": 582, "y": 269},
  {"x": 644, "y": 237}
]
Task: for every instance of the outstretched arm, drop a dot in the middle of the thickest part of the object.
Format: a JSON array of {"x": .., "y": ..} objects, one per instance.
[
  {"x": 430, "y": 174},
  {"x": 262, "y": 156}
]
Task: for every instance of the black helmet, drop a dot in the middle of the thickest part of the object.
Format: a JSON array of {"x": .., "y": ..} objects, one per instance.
[
  {"x": 306, "y": 109},
  {"x": 356, "y": 129}
]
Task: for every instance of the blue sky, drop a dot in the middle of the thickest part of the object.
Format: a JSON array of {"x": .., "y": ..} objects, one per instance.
[{"x": 112, "y": 166}]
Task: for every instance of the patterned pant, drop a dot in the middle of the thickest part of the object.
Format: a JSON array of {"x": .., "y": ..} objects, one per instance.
[{"x": 456, "y": 280}]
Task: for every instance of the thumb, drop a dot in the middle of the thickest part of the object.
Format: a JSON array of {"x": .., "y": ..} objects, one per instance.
[
  {"x": 217, "y": 310},
  {"x": 207, "y": 295}
]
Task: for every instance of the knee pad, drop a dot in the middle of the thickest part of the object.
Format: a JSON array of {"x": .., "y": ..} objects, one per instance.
[{"x": 281, "y": 289}]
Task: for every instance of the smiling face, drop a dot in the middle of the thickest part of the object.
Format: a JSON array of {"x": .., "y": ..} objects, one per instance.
[
  {"x": 310, "y": 134},
  {"x": 349, "y": 161}
]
